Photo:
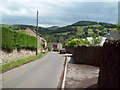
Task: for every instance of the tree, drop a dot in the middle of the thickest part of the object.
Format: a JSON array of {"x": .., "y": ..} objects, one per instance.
[
  {"x": 73, "y": 42},
  {"x": 76, "y": 41},
  {"x": 118, "y": 27},
  {"x": 96, "y": 40}
]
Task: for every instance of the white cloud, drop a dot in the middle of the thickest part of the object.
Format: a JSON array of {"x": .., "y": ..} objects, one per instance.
[
  {"x": 54, "y": 12},
  {"x": 60, "y": 1},
  {"x": 28, "y": 8},
  {"x": 21, "y": 12}
]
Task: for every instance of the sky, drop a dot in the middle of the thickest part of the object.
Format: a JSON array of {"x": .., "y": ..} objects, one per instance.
[{"x": 57, "y": 12}]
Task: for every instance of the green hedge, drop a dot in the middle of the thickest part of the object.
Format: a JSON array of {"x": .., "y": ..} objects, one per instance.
[{"x": 16, "y": 40}]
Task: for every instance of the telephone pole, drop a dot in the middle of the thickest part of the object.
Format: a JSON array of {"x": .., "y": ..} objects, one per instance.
[{"x": 37, "y": 34}]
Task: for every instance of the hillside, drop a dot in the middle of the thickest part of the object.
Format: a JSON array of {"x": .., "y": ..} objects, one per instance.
[{"x": 79, "y": 29}]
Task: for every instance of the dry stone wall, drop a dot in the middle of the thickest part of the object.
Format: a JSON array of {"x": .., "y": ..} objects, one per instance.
[{"x": 15, "y": 55}]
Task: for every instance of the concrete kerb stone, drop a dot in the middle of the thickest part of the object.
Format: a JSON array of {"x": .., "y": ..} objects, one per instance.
[{"x": 65, "y": 72}]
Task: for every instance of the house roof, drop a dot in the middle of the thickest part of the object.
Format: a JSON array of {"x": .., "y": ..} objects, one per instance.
[
  {"x": 37, "y": 33},
  {"x": 54, "y": 43},
  {"x": 68, "y": 38},
  {"x": 33, "y": 31},
  {"x": 113, "y": 35},
  {"x": 102, "y": 40},
  {"x": 43, "y": 39}
]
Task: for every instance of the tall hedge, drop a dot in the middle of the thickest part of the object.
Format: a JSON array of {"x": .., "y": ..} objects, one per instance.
[{"x": 16, "y": 40}]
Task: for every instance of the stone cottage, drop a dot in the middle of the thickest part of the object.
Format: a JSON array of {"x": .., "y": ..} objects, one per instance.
[
  {"x": 56, "y": 46},
  {"x": 42, "y": 43}
]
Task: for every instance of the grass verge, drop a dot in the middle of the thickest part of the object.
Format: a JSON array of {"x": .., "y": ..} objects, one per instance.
[{"x": 19, "y": 62}]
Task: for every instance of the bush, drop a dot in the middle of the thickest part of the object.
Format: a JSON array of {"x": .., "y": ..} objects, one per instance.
[
  {"x": 73, "y": 42},
  {"x": 7, "y": 39},
  {"x": 76, "y": 41},
  {"x": 16, "y": 40},
  {"x": 85, "y": 42},
  {"x": 49, "y": 47},
  {"x": 96, "y": 40}
]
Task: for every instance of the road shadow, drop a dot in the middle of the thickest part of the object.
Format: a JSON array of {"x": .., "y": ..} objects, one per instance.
[
  {"x": 80, "y": 69},
  {"x": 91, "y": 87}
]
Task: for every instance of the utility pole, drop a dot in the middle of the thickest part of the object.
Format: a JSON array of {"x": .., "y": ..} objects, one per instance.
[{"x": 37, "y": 34}]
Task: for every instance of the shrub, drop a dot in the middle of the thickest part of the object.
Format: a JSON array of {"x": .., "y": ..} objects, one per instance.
[
  {"x": 83, "y": 42},
  {"x": 49, "y": 47},
  {"x": 7, "y": 39},
  {"x": 73, "y": 42},
  {"x": 96, "y": 40}
]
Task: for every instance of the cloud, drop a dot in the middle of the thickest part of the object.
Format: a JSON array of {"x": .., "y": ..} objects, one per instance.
[
  {"x": 60, "y": 1},
  {"x": 57, "y": 12}
]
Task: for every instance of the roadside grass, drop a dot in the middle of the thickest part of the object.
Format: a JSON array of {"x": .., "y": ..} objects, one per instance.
[
  {"x": 19, "y": 62},
  {"x": 0, "y": 68}
]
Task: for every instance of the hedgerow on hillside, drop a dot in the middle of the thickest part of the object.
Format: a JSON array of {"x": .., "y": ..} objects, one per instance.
[{"x": 16, "y": 40}]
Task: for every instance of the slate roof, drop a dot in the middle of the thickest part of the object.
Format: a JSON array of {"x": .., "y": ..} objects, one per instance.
[
  {"x": 54, "y": 43},
  {"x": 113, "y": 35}
]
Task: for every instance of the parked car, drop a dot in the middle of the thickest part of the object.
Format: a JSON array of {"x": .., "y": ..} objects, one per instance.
[{"x": 63, "y": 51}]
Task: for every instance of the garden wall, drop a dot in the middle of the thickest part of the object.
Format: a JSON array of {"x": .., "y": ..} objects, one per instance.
[
  {"x": 109, "y": 75},
  {"x": 107, "y": 58},
  {"x": 90, "y": 55},
  {"x": 69, "y": 50},
  {"x": 15, "y": 55}
]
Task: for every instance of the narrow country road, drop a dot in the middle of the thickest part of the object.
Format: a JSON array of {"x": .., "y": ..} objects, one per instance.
[{"x": 42, "y": 73}]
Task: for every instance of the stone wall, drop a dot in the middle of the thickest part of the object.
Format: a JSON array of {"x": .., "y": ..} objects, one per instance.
[{"x": 15, "y": 55}]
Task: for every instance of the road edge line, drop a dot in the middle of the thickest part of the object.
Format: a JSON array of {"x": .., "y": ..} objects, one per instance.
[{"x": 64, "y": 73}]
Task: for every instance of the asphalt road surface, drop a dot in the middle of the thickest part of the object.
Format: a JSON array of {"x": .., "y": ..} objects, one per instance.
[{"x": 42, "y": 73}]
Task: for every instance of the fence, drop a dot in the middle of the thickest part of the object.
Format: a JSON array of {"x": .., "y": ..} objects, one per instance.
[{"x": 107, "y": 58}]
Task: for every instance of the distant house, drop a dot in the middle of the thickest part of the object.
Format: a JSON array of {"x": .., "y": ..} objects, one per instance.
[
  {"x": 68, "y": 38},
  {"x": 56, "y": 46},
  {"x": 113, "y": 35},
  {"x": 102, "y": 40},
  {"x": 90, "y": 39},
  {"x": 42, "y": 43}
]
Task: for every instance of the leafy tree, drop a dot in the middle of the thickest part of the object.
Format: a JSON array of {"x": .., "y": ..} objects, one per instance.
[
  {"x": 84, "y": 23},
  {"x": 107, "y": 25},
  {"x": 118, "y": 27},
  {"x": 85, "y": 42},
  {"x": 96, "y": 40},
  {"x": 100, "y": 27},
  {"x": 73, "y": 42},
  {"x": 49, "y": 47},
  {"x": 76, "y": 41},
  {"x": 95, "y": 31}
]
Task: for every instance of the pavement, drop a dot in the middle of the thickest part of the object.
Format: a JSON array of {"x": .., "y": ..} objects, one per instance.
[
  {"x": 41, "y": 73},
  {"x": 81, "y": 76}
]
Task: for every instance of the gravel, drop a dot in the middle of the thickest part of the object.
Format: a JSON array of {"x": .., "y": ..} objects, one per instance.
[{"x": 81, "y": 76}]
